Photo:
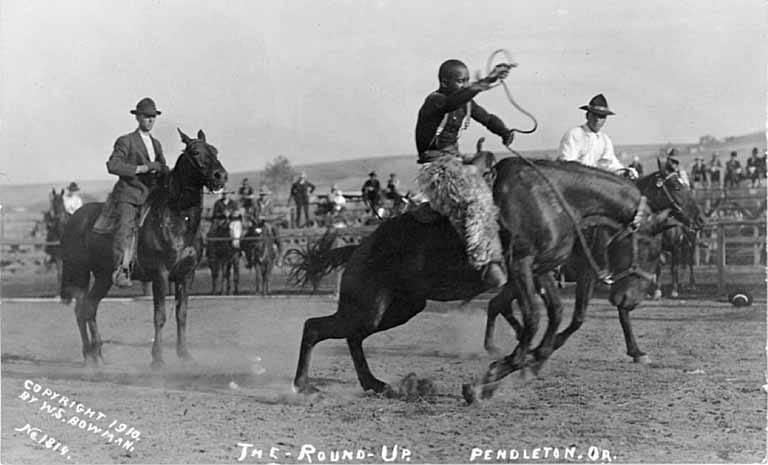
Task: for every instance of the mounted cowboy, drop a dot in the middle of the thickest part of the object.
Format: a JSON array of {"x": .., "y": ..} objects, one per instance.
[
  {"x": 452, "y": 185},
  {"x": 590, "y": 146},
  {"x": 72, "y": 200},
  {"x": 134, "y": 156}
]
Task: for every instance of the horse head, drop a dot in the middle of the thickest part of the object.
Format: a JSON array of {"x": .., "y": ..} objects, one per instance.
[
  {"x": 668, "y": 191},
  {"x": 198, "y": 166},
  {"x": 633, "y": 253},
  {"x": 56, "y": 216}
]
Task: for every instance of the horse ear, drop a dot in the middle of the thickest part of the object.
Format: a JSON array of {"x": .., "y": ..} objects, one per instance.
[
  {"x": 201, "y": 135},
  {"x": 658, "y": 162},
  {"x": 184, "y": 138}
]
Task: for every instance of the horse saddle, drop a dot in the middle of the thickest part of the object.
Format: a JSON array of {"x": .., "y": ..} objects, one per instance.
[
  {"x": 109, "y": 218},
  {"x": 424, "y": 214}
]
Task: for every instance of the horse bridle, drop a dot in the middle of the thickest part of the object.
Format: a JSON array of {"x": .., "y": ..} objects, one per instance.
[
  {"x": 633, "y": 269},
  {"x": 662, "y": 183}
]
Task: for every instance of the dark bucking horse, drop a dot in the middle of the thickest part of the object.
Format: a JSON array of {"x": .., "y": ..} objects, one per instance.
[
  {"x": 663, "y": 193},
  {"x": 168, "y": 248},
  {"x": 393, "y": 272}
]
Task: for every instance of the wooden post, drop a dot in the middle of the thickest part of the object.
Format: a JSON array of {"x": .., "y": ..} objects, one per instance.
[{"x": 721, "y": 258}]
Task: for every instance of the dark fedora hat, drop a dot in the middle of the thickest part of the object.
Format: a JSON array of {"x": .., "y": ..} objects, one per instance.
[
  {"x": 598, "y": 105},
  {"x": 73, "y": 187},
  {"x": 146, "y": 107}
]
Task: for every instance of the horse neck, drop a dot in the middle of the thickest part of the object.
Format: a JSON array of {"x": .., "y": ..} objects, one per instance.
[
  {"x": 182, "y": 191},
  {"x": 603, "y": 195}
]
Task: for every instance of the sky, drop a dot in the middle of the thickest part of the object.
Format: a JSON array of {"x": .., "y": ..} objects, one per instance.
[{"x": 330, "y": 80}]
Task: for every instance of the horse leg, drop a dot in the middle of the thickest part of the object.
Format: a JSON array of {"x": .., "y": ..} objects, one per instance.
[
  {"x": 499, "y": 304},
  {"x": 364, "y": 375},
  {"x": 59, "y": 266},
  {"x": 554, "y": 315},
  {"x": 629, "y": 338},
  {"x": 227, "y": 278},
  {"x": 236, "y": 272},
  {"x": 159, "y": 289},
  {"x": 100, "y": 288},
  {"x": 181, "y": 319},
  {"x": 214, "y": 275},
  {"x": 497, "y": 370},
  {"x": 257, "y": 270},
  {"x": 585, "y": 286},
  {"x": 657, "y": 285},
  {"x": 317, "y": 330},
  {"x": 675, "y": 293},
  {"x": 81, "y": 315}
]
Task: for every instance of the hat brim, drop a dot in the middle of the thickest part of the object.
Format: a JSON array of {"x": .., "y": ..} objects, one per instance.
[
  {"x": 597, "y": 110},
  {"x": 135, "y": 112}
]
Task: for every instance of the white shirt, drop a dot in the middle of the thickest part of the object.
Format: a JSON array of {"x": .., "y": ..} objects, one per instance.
[
  {"x": 147, "y": 139},
  {"x": 338, "y": 198},
  {"x": 72, "y": 202},
  {"x": 589, "y": 148}
]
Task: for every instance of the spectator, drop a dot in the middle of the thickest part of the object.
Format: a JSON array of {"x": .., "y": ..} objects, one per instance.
[
  {"x": 672, "y": 165},
  {"x": 732, "y": 172},
  {"x": 715, "y": 167},
  {"x": 761, "y": 165},
  {"x": 223, "y": 207},
  {"x": 264, "y": 207},
  {"x": 246, "y": 195},
  {"x": 337, "y": 200},
  {"x": 699, "y": 173},
  {"x": 637, "y": 166},
  {"x": 71, "y": 198},
  {"x": 300, "y": 191},
  {"x": 372, "y": 191},
  {"x": 753, "y": 168}
]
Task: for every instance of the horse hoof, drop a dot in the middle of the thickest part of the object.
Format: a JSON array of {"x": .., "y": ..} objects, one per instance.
[
  {"x": 157, "y": 364},
  {"x": 643, "y": 359},
  {"x": 306, "y": 389},
  {"x": 185, "y": 356},
  {"x": 657, "y": 295},
  {"x": 469, "y": 392},
  {"x": 529, "y": 373},
  {"x": 674, "y": 294}
]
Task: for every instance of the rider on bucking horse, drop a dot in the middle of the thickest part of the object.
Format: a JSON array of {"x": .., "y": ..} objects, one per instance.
[
  {"x": 453, "y": 186},
  {"x": 132, "y": 160}
]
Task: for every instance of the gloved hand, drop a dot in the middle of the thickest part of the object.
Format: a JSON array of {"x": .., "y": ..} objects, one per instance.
[
  {"x": 508, "y": 138},
  {"x": 632, "y": 173}
]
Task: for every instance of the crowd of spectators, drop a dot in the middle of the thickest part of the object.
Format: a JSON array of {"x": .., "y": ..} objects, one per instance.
[{"x": 710, "y": 175}]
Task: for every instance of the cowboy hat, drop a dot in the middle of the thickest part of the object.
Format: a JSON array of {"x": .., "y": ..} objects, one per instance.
[
  {"x": 598, "y": 105},
  {"x": 264, "y": 190},
  {"x": 73, "y": 187},
  {"x": 146, "y": 107}
]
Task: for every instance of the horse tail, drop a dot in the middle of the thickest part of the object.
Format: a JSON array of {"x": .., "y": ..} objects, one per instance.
[
  {"x": 75, "y": 278},
  {"x": 76, "y": 272},
  {"x": 318, "y": 260}
]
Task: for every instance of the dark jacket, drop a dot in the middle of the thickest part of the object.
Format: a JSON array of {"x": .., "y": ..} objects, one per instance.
[
  {"x": 300, "y": 191},
  {"x": 128, "y": 153}
]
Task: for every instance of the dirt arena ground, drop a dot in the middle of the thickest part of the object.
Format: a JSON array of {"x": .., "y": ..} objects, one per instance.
[{"x": 700, "y": 401}]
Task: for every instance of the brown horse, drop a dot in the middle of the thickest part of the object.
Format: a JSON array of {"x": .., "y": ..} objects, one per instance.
[
  {"x": 393, "y": 272},
  {"x": 663, "y": 192},
  {"x": 224, "y": 255},
  {"x": 169, "y": 248},
  {"x": 54, "y": 221},
  {"x": 262, "y": 250}
]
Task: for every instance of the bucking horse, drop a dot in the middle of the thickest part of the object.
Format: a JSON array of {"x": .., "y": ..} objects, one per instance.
[
  {"x": 663, "y": 192},
  {"x": 408, "y": 260},
  {"x": 168, "y": 248}
]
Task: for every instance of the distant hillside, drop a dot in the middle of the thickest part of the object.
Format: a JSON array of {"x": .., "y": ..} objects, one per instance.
[{"x": 349, "y": 175}]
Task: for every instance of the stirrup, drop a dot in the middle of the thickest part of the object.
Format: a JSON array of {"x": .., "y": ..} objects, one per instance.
[{"x": 120, "y": 278}]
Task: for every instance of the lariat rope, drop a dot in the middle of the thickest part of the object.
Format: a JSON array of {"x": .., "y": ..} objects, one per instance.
[
  {"x": 510, "y": 61},
  {"x": 602, "y": 274}
]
